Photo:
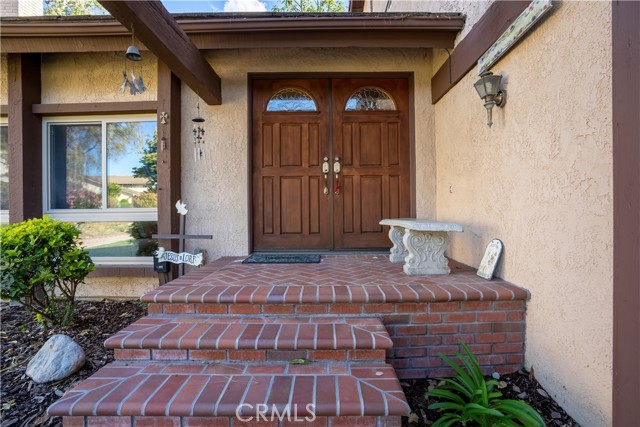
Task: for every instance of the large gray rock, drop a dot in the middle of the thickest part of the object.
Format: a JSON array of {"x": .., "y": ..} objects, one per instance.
[{"x": 58, "y": 358}]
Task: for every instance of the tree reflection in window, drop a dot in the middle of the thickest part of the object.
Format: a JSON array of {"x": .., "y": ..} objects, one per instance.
[
  {"x": 370, "y": 99},
  {"x": 291, "y": 99}
]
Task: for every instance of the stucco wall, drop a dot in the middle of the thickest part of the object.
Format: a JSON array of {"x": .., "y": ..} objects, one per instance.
[
  {"x": 216, "y": 190},
  {"x": 541, "y": 180},
  {"x": 122, "y": 287},
  {"x": 94, "y": 77}
]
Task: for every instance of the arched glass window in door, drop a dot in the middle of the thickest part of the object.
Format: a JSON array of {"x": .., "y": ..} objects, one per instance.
[
  {"x": 291, "y": 99},
  {"x": 370, "y": 99}
]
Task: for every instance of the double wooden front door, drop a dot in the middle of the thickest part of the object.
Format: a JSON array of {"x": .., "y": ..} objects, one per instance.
[{"x": 304, "y": 131}]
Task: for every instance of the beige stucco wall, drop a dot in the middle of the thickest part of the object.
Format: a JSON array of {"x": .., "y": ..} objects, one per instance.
[
  {"x": 121, "y": 287},
  {"x": 216, "y": 190},
  {"x": 541, "y": 180},
  {"x": 94, "y": 77}
]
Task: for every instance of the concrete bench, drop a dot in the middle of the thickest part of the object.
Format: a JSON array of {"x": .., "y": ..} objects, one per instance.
[{"x": 421, "y": 244}]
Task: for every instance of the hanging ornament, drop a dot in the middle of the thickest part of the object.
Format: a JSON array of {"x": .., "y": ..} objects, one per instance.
[
  {"x": 135, "y": 84},
  {"x": 198, "y": 134}
]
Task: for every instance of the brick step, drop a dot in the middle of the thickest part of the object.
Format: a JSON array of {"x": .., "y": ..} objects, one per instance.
[
  {"x": 252, "y": 333},
  {"x": 250, "y": 338},
  {"x": 218, "y": 291},
  {"x": 150, "y": 389},
  {"x": 287, "y": 421}
]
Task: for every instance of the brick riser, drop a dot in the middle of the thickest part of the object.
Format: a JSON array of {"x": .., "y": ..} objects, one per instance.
[
  {"x": 230, "y": 422},
  {"x": 250, "y": 355},
  {"x": 493, "y": 330}
]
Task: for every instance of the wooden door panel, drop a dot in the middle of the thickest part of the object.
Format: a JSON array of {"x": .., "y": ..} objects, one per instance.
[
  {"x": 371, "y": 204},
  {"x": 290, "y": 144},
  {"x": 375, "y": 152},
  {"x": 369, "y": 144},
  {"x": 290, "y": 211}
]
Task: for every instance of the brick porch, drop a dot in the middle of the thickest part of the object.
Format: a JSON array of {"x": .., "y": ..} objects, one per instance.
[{"x": 228, "y": 330}]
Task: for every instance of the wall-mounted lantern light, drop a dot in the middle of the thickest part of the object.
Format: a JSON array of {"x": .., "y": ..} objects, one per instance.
[{"x": 488, "y": 87}]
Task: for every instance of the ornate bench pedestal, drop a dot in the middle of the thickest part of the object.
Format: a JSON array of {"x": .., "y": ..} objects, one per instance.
[{"x": 420, "y": 244}]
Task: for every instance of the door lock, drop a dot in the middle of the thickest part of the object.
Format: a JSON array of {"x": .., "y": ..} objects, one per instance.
[
  {"x": 336, "y": 170},
  {"x": 325, "y": 172}
]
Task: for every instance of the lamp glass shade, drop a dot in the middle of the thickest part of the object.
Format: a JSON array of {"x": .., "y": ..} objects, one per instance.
[
  {"x": 488, "y": 84},
  {"x": 480, "y": 88},
  {"x": 492, "y": 84}
]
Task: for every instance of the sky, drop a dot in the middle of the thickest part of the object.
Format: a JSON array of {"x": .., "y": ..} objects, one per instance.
[{"x": 213, "y": 6}]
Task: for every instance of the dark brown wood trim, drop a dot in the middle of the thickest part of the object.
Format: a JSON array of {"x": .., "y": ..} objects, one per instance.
[
  {"x": 239, "y": 23},
  {"x": 161, "y": 34},
  {"x": 412, "y": 142},
  {"x": 356, "y": 6},
  {"x": 134, "y": 107},
  {"x": 169, "y": 159},
  {"x": 4, "y": 110},
  {"x": 626, "y": 212},
  {"x": 366, "y": 30},
  {"x": 420, "y": 39},
  {"x": 484, "y": 33},
  {"x": 25, "y": 137}
]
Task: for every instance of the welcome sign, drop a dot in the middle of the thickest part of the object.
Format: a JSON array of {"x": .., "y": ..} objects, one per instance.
[{"x": 179, "y": 258}]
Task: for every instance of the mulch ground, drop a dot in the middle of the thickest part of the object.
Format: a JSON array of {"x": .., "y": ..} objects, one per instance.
[{"x": 24, "y": 403}]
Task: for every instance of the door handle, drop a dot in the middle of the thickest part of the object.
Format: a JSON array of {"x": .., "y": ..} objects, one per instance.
[
  {"x": 336, "y": 170},
  {"x": 325, "y": 172}
]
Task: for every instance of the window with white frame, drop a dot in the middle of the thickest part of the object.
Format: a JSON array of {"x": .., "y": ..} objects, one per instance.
[
  {"x": 101, "y": 174},
  {"x": 4, "y": 172}
]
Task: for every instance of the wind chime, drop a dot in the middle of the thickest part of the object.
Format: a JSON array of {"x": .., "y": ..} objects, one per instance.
[
  {"x": 198, "y": 134},
  {"x": 135, "y": 84}
]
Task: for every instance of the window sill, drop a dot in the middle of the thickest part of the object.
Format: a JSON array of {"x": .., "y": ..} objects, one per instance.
[{"x": 128, "y": 270}]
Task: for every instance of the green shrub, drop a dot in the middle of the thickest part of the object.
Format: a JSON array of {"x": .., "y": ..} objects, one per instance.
[
  {"x": 41, "y": 267},
  {"x": 468, "y": 399}
]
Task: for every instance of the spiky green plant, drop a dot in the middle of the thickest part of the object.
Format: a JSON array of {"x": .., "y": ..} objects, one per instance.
[{"x": 468, "y": 399}]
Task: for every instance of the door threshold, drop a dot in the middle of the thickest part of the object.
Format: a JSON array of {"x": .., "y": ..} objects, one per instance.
[{"x": 325, "y": 252}]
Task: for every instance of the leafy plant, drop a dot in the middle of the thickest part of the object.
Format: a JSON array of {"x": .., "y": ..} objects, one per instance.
[
  {"x": 41, "y": 267},
  {"x": 310, "y": 6},
  {"x": 468, "y": 399}
]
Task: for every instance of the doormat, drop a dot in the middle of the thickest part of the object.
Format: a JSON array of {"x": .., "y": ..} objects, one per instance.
[{"x": 282, "y": 259}]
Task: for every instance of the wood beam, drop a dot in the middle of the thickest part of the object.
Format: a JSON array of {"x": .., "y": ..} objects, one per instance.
[
  {"x": 85, "y": 109},
  {"x": 626, "y": 211},
  {"x": 161, "y": 34},
  {"x": 25, "y": 137},
  {"x": 169, "y": 160},
  {"x": 368, "y": 30},
  {"x": 485, "y": 32},
  {"x": 356, "y": 6}
]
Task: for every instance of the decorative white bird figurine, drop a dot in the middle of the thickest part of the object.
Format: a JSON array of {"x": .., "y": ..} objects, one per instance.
[{"x": 182, "y": 207}]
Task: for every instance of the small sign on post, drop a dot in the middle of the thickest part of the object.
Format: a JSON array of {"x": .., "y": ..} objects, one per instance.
[{"x": 180, "y": 257}]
